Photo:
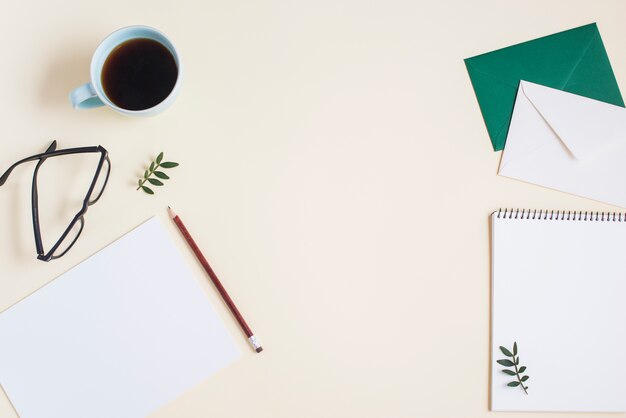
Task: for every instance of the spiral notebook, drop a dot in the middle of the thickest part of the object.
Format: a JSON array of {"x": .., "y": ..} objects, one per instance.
[{"x": 558, "y": 311}]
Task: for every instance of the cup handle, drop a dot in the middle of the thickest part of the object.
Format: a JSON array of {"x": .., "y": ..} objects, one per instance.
[{"x": 85, "y": 97}]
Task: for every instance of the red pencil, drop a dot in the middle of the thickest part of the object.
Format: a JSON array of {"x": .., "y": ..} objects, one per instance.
[{"x": 231, "y": 305}]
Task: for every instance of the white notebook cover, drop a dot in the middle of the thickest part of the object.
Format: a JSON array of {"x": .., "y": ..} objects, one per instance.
[
  {"x": 558, "y": 290},
  {"x": 119, "y": 335}
]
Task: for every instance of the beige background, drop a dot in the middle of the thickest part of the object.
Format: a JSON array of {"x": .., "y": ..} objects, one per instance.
[{"x": 334, "y": 168}]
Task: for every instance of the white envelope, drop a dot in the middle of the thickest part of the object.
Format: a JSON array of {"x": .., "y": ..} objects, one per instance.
[{"x": 567, "y": 142}]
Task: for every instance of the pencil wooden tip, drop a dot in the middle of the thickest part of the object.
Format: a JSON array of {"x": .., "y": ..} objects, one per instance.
[{"x": 171, "y": 212}]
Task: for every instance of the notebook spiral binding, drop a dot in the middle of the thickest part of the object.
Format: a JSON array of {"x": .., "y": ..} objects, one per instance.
[{"x": 561, "y": 215}]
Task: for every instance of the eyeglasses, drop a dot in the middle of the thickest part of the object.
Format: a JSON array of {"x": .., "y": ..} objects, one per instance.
[{"x": 75, "y": 228}]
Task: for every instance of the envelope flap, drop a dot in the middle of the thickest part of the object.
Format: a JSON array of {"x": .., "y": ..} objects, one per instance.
[
  {"x": 585, "y": 126},
  {"x": 528, "y": 60},
  {"x": 593, "y": 75},
  {"x": 495, "y": 98}
]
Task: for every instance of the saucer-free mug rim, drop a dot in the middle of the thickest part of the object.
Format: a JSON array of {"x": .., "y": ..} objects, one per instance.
[{"x": 109, "y": 43}]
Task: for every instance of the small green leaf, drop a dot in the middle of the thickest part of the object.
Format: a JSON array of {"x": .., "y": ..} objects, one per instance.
[
  {"x": 151, "y": 175},
  {"x": 514, "y": 363},
  {"x": 506, "y": 352},
  {"x": 161, "y": 175}
]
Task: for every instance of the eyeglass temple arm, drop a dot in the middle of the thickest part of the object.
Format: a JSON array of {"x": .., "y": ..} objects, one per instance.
[
  {"x": 47, "y": 154},
  {"x": 7, "y": 173},
  {"x": 35, "y": 207}
]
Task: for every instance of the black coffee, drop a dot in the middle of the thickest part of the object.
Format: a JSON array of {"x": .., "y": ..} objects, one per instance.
[{"x": 139, "y": 74}]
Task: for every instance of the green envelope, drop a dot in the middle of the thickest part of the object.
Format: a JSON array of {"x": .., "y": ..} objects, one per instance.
[{"x": 574, "y": 61}]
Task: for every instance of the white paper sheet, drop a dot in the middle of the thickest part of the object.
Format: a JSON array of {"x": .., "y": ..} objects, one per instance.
[
  {"x": 119, "y": 335},
  {"x": 567, "y": 142},
  {"x": 558, "y": 291}
]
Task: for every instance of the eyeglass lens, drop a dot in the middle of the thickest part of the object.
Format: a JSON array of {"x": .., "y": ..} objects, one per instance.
[
  {"x": 70, "y": 239},
  {"x": 101, "y": 181}
]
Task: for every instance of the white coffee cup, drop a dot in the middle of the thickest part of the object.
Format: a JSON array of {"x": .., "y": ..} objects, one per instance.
[{"x": 92, "y": 94}]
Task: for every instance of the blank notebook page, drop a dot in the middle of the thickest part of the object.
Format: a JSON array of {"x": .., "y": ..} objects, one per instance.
[
  {"x": 558, "y": 290},
  {"x": 119, "y": 335}
]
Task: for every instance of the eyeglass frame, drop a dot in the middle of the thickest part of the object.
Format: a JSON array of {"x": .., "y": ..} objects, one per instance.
[{"x": 79, "y": 217}]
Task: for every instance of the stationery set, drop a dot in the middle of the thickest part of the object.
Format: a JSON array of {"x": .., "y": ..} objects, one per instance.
[
  {"x": 552, "y": 105},
  {"x": 119, "y": 336}
]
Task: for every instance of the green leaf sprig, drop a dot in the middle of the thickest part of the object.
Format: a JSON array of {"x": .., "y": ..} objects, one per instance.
[
  {"x": 154, "y": 170},
  {"x": 517, "y": 369}
]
